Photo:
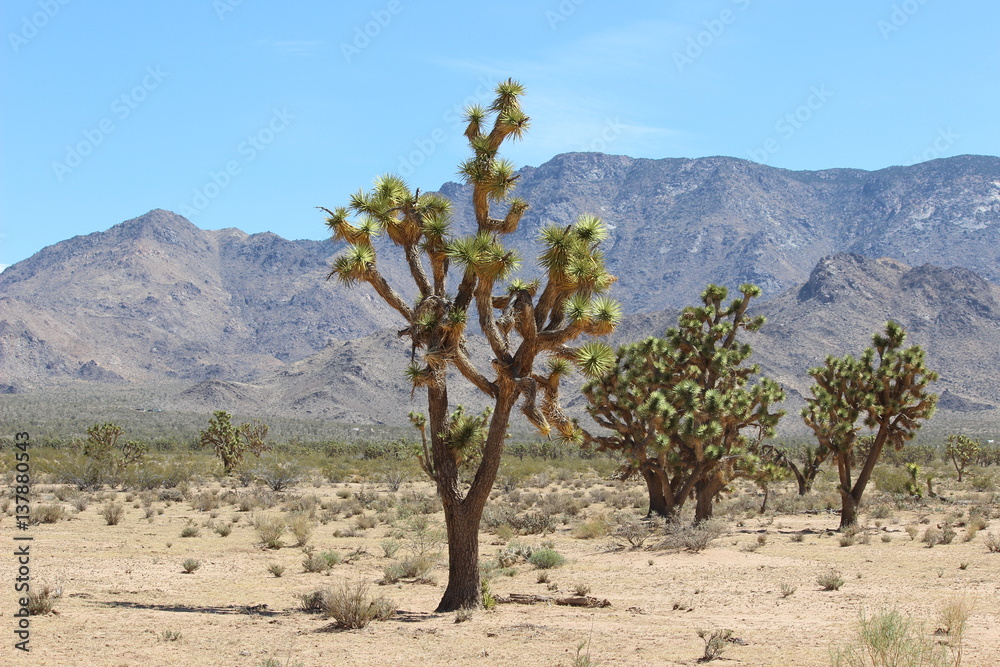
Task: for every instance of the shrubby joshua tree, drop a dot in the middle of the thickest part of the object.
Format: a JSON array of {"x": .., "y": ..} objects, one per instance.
[
  {"x": 885, "y": 390},
  {"x": 803, "y": 463},
  {"x": 104, "y": 459},
  {"x": 681, "y": 409},
  {"x": 525, "y": 323},
  {"x": 231, "y": 443},
  {"x": 962, "y": 450}
]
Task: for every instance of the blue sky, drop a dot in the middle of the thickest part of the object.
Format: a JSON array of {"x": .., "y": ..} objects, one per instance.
[{"x": 247, "y": 113}]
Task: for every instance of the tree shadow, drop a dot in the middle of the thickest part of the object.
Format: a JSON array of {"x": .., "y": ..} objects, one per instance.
[{"x": 233, "y": 609}]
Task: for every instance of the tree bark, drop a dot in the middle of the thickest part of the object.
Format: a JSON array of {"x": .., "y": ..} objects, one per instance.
[
  {"x": 464, "y": 587},
  {"x": 848, "y": 510},
  {"x": 704, "y": 494},
  {"x": 657, "y": 497}
]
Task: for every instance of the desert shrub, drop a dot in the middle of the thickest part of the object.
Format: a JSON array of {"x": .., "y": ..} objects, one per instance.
[
  {"x": 278, "y": 474},
  {"x": 277, "y": 569},
  {"x": 269, "y": 530},
  {"x": 352, "y": 608},
  {"x": 581, "y": 590},
  {"x": 885, "y": 639},
  {"x": 315, "y": 563},
  {"x": 715, "y": 643},
  {"x": 389, "y": 548},
  {"x": 205, "y": 501},
  {"x": 301, "y": 529},
  {"x": 415, "y": 567},
  {"x": 495, "y": 516},
  {"x": 393, "y": 479},
  {"x": 992, "y": 543},
  {"x": 190, "y": 530},
  {"x": 546, "y": 558},
  {"x": 592, "y": 528},
  {"x": 315, "y": 602},
  {"x": 41, "y": 601},
  {"x": 512, "y": 554},
  {"x": 365, "y": 522},
  {"x": 50, "y": 513},
  {"x": 693, "y": 538},
  {"x": 224, "y": 529},
  {"x": 83, "y": 472},
  {"x": 632, "y": 529},
  {"x": 113, "y": 513},
  {"x": 533, "y": 523},
  {"x": 787, "y": 590},
  {"x": 931, "y": 536},
  {"x": 830, "y": 580},
  {"x": 190, "y": 565},
  {"x": 80, "y": 502}
]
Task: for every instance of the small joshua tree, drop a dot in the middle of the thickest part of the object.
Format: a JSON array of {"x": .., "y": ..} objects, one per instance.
[
  {"x": 526, "y": 323},
  {"x": 885, "y": 390},
  {"x": 231, "y": 443},
  {"x": 110, "y": 458},
  {"x": 962, "y": 450}
]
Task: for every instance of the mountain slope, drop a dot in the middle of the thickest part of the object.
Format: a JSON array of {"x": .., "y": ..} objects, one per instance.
[{"x": 157, "y": 297}]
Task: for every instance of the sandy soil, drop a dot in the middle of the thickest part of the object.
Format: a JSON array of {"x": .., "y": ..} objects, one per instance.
[{"x": 123, "y": 587}]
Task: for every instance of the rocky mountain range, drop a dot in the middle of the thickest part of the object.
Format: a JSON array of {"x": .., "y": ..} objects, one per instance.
[{"x": 253, "y": 319}]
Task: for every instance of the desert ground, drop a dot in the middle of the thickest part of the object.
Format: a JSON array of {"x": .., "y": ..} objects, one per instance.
[{"x": 120, "y": 595}]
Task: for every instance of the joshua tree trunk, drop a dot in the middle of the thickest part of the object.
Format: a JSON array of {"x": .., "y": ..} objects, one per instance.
[
  {"x": 657, "y": 498},
  {"x": 705, "y": 492},
  {"x": 464, "y": 587}
]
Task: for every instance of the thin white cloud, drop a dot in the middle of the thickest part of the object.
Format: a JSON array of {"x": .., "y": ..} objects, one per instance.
[{"x": 563, "y": 120}]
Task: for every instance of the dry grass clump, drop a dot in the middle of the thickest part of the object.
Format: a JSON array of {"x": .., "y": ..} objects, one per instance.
[
  {"x": 351, "y": 607},
  {"x": 831, "y": 580},
  {"x": 269, "y": 530},
  {"x": 113, "y": 513},
  {"x": 41, "y": 602},
  {"x": 888, "y": 638},
  {"x": 50, "y": 513}
]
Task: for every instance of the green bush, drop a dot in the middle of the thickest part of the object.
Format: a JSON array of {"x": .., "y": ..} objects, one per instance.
[{"x": 546, "y": 558}]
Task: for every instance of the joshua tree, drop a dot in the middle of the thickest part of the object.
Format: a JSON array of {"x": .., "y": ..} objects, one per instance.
[
  {"x": 681, "y": 409},
  {"x": 231, "y": 443},
  {"x": 962, "y": 450},
  {"x": 886, "y": 389},
  {"x": 110, "y": 458},
  {"x": 804, "y": 466},
  {"x": 523, "y": 323}
]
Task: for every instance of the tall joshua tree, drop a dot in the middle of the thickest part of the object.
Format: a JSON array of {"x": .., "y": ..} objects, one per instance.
[
  {"x": 523, "y": 322},
  {"x": 681, "y": 408},
  {"x": 885, "y": 390}
]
